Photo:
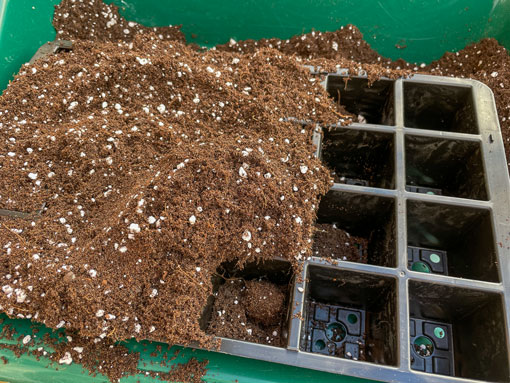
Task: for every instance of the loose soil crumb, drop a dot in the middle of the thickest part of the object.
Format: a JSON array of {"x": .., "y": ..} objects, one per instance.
[
  {"x": 331, "y": 242},
  {"x": 264, "y": 302},
  {"x": 253, "y": 311},
  {"x": 4, "y": 360}
]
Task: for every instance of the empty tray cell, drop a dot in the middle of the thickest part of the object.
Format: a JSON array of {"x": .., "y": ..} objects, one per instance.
[
  {"x": 462, "y": 236},
  {"x": 360, "y": 157},
  {"x": 371, "y": 219},
  {"x": 458, "y": 332},
  {"x": 439, "y": 107},
  {"x": 350, "y": 315},
  {"x": 250, "y": 304},
  {"x": 448, "y": 167},
  {"x": 431, "y": 346},
  {"x": 372, "y": 103}
]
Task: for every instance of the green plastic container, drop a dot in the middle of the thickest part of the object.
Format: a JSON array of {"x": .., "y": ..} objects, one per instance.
[{"x": 426, "y": 28}]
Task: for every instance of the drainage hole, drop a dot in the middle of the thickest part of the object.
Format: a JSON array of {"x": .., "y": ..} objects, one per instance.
[
  {"x": 336, "y": 332},
  {"x": 320, "y": 344},
  {"x": 352, "y": 318},
  {"x": 434, "y": 258},
  {"x": 421, "y": 267},
  {"x": 423, "y": 346},
  {"x": 439, "y": 332}
]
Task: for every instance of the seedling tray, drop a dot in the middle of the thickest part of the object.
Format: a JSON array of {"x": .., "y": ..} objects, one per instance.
[
  {"x": 436, "y": 183},
  {"x": 428, "y": 134}
]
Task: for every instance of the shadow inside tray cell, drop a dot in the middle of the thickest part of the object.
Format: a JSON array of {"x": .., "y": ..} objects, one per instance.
[
  {"x": 439, "y": 107},
  {"x": 457, "y": 332},
  {"x": 350, "y": 315},
  {"x": 251, "y": 303},
  {"x": 360, "y": 157},
  {"x": 447, "y": 167},
  {"x": 451, "y": 240},
  {"x": 370, "y": 219},
  {"x": 373, "y": 103}
]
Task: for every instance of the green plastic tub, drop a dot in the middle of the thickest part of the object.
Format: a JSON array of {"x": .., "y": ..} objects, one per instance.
[{"x": 426, "y": 28}]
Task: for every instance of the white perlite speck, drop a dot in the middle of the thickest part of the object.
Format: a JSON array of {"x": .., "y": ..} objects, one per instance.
[
  {"x": 161, "y": 108},
  {"x": 151, "y": 220},
  {"x": 303, "y": 169},
  {"x": 20, "y": 295},
  {"x": 192, "y": 219},
  {"x": 142, "y": 61},
  {"x": 134, "y": 228},
  {"x": 99, "y": 313},
  {"x": 27, "y": 339},
  {"x": 494, "y": 74},
  {"x": 242, "y": 172},
  {"x": 92, "y": 273},
  {"x": 79, "y": 350},
  {"x": 123, "y": 249},
  {"x": 153, "y": 293},
  {"x": 32, "y": 176},
  {"x": 66, "y": 359},
  {"x": 334, "y": 45},
  {"x": 196, "y": 100},
  {"x": 246, "y": 235}
]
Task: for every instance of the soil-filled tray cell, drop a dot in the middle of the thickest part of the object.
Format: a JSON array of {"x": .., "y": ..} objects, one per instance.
[
  {"x": 431, "y": 346},
  {"x": 464, "y": 234},
  {"x": 469, "y": 325},
  {"x": 447, "y": 167},
  {"x": 371, "y": 103},
  {"x": 350, "y": 315},
  {"x": 360, "y": 157},
  {"x": 251, "y": 304},
  {"x": 331, "y": 243},
  {"x": 439, "y": 107},
  {"x": 427, "y": 260},
  {"x": 367, "y": 217}
]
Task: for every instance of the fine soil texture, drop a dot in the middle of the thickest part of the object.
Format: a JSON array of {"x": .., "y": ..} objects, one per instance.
[
  {"x": 332, "y": 243},
  {"x": 145, "y": 163},
  {"x": 253, "y": 311}
]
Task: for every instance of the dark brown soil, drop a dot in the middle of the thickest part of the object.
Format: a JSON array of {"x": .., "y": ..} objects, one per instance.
[
  {"x": 95, "y": 20},
  {"x": 331, "y": 242},
  {"x": 345, "y": 43},
  {"x": 253, "y": 311},
  {"x": 4, "y": 360},
  {"x": 264, "y": 302}
]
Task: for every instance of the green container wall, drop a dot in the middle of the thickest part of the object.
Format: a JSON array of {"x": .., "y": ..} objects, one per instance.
[
  {"x": 221, "y": 368},
  {"x": 427, "y": 28}
]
